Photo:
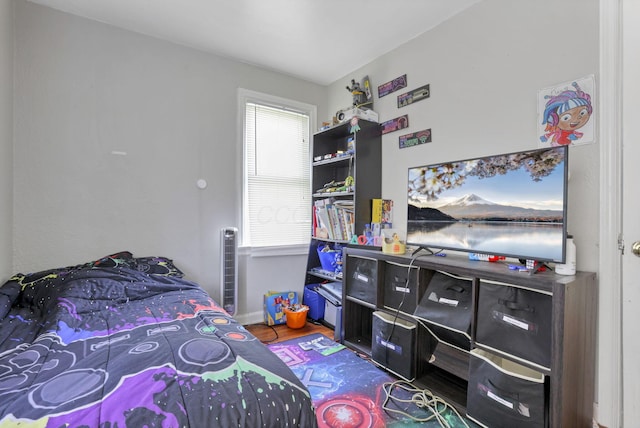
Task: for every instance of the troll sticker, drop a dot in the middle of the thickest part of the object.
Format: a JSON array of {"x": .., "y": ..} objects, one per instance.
[{"x": 566, "y": 113}]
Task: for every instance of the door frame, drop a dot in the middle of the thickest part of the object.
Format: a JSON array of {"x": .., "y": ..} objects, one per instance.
[{"x": 608, "y": 406}]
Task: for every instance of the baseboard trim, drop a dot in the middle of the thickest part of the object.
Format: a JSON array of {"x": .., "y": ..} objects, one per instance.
[{"x": 250, "y": 318}]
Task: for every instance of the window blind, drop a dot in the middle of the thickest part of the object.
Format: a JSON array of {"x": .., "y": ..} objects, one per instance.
[{"x": 277, "y": 207}]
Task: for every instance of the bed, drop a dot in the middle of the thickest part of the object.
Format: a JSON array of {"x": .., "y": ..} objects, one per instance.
[{"x": 126, "y": 341}]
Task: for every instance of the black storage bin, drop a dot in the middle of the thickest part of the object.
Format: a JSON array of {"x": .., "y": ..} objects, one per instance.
[
  {"x": 393, "y": 344},
  {"x": 504, "y": 394},
  {"x": 515, "y": 321},
  {"x": 447, "y": 309},
  {"x": 401, "y": 287},
  {"x": 362, "y": 283}
]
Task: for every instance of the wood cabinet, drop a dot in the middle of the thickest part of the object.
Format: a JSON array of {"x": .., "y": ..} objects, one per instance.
[{"x": 543, "y": 326}]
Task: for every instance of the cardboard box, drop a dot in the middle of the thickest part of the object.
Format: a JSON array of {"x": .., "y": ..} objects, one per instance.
[{"x": 274, "y": 302}]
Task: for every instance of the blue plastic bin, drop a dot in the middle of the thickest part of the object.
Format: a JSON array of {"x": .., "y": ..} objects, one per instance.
[
  {"x": 314, "y": 301},
  {"x": 330, "y": 259}
]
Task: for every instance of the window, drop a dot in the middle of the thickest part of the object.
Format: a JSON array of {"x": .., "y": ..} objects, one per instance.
[{"x": 276, "y": 207}]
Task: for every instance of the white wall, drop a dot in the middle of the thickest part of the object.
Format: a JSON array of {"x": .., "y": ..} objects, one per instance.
[
  {"x": 6, "y": 138},
  {"x": 85, "y": 90},
  {"x": 484, "y": 67}
]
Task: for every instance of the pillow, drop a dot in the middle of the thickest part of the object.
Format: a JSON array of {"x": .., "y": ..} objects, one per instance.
[
  {"x": 149, "y": 265},
  {"x": 114, "y": 260},
  {"x": 37, "y": 278},
  {"x": 8, "y": 294},
  {"x": 157, "y": 266}
]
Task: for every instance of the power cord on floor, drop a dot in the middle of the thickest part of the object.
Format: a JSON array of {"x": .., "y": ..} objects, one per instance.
[
  {"x": 422, "y": 398},
  {"x": 275, "y": 332}
]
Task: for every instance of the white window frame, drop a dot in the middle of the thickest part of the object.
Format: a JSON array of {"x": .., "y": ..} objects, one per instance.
[{"x": 244, "y": 96}]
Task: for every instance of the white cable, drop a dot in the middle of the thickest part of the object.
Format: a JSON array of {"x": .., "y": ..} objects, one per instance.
[{"x": 421, "y": 398}]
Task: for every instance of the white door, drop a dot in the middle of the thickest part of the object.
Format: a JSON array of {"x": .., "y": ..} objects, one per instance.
[{"x": 631, "y": 212}]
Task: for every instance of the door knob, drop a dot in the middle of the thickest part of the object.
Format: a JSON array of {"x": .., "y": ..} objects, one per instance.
[{"x": 635, "y": 247}]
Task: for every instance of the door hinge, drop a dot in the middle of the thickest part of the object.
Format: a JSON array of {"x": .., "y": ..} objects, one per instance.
[{"x": 621, "y": 244}]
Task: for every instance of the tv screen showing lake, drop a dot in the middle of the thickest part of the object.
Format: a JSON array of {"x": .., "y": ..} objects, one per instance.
[
  {"x": 512, "y": 204},
  {"x": 531, "y": 240}
]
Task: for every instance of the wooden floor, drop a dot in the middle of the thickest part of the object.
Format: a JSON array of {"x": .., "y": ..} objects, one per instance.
[{"x": 278, "y": 333}]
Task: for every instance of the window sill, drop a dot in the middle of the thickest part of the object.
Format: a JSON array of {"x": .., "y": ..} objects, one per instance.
[{"x": 274, "y": 251}]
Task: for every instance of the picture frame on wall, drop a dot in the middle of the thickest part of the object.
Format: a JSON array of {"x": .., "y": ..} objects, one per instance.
[
  {"x": 415, "y": 138},
  {"x": 566, "y": 113},
  {"x": 415, "y": 95},
  {"x": 396, "y": 124},
  {"x": 392, "y": 86}
]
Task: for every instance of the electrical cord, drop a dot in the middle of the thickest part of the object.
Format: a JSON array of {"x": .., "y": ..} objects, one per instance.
[
  {"x": 397, "y": 313},
  {"x": 421, "y": 398},
  {"x": 275, "y": 332},
  {"x": 414, "y": 257}
]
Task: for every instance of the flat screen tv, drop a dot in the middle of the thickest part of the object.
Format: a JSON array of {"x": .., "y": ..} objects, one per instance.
[{"x": 513, "y": 205}]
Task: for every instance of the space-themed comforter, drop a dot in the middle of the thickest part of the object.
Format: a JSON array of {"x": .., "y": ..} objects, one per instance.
[{"x": 127, "y": 342}]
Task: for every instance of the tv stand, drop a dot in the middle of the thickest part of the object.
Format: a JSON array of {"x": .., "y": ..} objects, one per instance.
[
  {"x": 429, "y": 251},
  {"x": 378, "y": 287},
  {"x": 538, "y": 267},
  {"x": 419, "y": 249}
]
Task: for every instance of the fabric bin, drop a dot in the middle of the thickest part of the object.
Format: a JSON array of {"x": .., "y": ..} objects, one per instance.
[
  {"x": 400, "y": 287},
  {"x": 516, "y": 321},
  {"x": 504, "y": 394},
  {"x": 362, "y": 279},
  {"x": 393, "y": 344},
  {"x": 447, "y": 309}
]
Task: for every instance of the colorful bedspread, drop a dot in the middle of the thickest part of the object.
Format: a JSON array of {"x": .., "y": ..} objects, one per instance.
[{"x": 127, "y": 342}]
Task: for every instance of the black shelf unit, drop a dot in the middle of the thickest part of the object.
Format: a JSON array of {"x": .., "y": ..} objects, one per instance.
[
  {"x": 334, "y": 162},
  {"x": 567, "y": 308}
]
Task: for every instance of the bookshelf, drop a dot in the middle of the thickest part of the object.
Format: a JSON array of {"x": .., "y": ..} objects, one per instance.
[{"x": 341, "y": 206}]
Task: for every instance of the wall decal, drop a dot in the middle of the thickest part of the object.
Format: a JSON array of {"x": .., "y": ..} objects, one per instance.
[
  {"x": 420, "y": 137},
  {"x": 395, "y": 124},
  {"x": 566, "y": 113},
  {"x": 412, "y": 96},
  {"x": 392, "y": 86}
]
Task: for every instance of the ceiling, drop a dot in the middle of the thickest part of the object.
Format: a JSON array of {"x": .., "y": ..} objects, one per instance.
[{"x": 316, "y": 40}]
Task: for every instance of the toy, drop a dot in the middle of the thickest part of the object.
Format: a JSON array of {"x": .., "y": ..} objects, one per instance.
[
  {"x": 358, "y": 95},
  {"x": 361, "y": 93},
  {"x": 337, "y": 186},
  {"x": 362, "y": 102}
]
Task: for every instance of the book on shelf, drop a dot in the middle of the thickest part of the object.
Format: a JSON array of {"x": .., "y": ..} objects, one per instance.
[
  {"x": 382, "y": 211},
  {"x": 335, "y": 217},
  {"x": 345, "y": 212},
  {"x": 381, "y": 215},
  {"x": 387, "y": 212},
  {"x": 323, "y": 227}
]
